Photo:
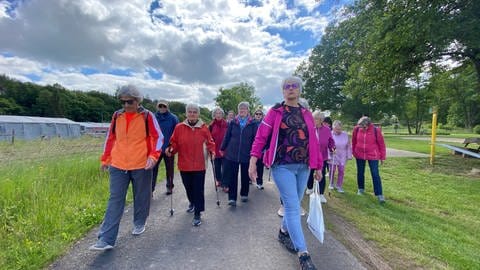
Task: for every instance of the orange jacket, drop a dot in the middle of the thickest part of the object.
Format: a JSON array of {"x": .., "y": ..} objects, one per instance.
[
  {"x": 129, "y": 150},
  {"x": 189, "y": 143}
]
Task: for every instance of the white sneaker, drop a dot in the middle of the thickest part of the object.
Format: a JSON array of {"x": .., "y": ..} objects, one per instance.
[
  {"x": 309, "y": 191},
  {"x": 323, "y": 199},
  {"x": 281, "y": 211},
  {"x": 340, "y": 190},
  {"x": 302, "y": 212},
  {"x": 330, "y": 187}
]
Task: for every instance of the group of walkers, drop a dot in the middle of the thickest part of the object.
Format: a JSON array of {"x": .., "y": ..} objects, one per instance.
[{"x": 297, "y": 146}]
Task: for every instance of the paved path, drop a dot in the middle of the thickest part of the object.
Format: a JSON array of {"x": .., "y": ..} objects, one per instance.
[
  {"x": 229, "y": 238},
  {"x": 402, "y": 153}
]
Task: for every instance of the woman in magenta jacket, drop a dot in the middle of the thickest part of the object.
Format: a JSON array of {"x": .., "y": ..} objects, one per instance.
[
  {"x": 289, "y": 130},
  {"x": 368, "y": 145}
]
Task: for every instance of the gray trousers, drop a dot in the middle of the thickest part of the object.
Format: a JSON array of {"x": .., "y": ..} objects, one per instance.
[{"x": 142, "y": 192}]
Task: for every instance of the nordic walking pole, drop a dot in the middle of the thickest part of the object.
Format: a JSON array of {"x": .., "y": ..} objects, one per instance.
[
  {"x": 215, "y": 181},
  {"x": 330, "y": 175},
  {"x": 171, "y": 203}
]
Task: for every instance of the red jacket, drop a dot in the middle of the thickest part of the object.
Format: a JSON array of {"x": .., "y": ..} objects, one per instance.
[
  {"x": 368, "y": 144},
  {"x": 129, "y": 150},
  {"x": 218, "y": 128},
  {"x": 191, "y": 144}
]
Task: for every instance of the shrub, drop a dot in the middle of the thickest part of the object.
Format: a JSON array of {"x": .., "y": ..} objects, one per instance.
[{"x": 476, "y": 129}]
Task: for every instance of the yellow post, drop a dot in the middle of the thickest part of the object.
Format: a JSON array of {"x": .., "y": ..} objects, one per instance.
[{"x": 434, "y": 135}]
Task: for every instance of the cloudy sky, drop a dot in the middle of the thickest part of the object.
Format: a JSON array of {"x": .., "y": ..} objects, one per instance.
[{"x": 182, "y": 50}]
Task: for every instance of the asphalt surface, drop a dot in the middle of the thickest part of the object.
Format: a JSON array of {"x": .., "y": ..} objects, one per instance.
[{"x": 244, "y": 237}]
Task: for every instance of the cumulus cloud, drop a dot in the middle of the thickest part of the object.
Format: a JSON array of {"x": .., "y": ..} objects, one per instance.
[{"x": 197, "y": 46}]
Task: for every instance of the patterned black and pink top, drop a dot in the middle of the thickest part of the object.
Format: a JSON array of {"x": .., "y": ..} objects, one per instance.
[{"x": 292, "y": 138}]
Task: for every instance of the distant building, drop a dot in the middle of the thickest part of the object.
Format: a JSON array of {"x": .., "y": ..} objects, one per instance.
[{"x": 30, "y": 127}]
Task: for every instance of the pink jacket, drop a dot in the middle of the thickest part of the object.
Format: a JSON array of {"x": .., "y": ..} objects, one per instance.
[
  {"x": 366, "y": 145},
  {"x": 343, "y": 150},
  {"x": 325, "y": 140},
  {"x": 270, "y": 126}
]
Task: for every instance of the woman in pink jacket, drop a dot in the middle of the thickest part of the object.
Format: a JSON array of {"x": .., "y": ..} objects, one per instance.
[
  {"x": 289, "y": 130},
  {"x": 368, "y": 145}
]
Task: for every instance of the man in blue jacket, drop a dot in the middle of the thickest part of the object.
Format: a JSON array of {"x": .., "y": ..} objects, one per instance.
[{"x": 167, "y": 122}]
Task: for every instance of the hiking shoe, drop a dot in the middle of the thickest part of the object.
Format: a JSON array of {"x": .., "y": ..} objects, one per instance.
[
  {"x": 306, "y": 262},
  {"x": 284, "y": 238},
  {"x": 323, "y": 199},
  {"x": 100, "y": 245},
  {"x": 361, "y": 192},
  {"x": 196, "y": 220},
  {"x": 381, "y": 199},
  {"x": 281, "y": 211},
  {"x": 138, "y": 229},
  {"x": 260, "y": 187},
  {"x": 190, "y": 208},
  {"x": 232, "y": 203},
  {"x": 244, "y": 198},
  {"x": 340, "y": 190},
  {"x": 309, "y": 191}
]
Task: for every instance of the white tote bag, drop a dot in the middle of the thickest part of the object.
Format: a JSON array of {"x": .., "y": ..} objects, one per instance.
[{"x": 315, "y": 214}]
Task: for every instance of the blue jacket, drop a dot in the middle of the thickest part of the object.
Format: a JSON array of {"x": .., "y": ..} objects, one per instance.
[
  {"x": 238, "y": 142},
  {"x": 167, "y": 122}
]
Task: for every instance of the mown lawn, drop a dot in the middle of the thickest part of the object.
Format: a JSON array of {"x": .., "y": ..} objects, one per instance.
[{"x": 431, "y": 219}]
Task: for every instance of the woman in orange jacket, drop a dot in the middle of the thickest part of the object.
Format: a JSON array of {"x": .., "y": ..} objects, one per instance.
[
  {"x": 132, "y": 148},
  {"x": 191, "y": 139}
]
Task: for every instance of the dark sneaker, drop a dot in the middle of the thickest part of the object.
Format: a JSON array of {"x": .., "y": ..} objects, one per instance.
[
  {"x": 196, "y": 220},
  {"x": 100, "y": 245},
  {"x": 232, "y": 203},
  {"x": 244, "y": 199},
  {"x": 190, "y": 208},
  {"x": 284, "y": 238},
  {"x": 169, "y": 191},
  {"x": 306, "y": 262}
]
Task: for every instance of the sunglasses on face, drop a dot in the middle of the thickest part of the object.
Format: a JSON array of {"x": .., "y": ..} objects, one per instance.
[
  {"x": 127, "y": 101},
  {"x": 291, "y": 85},
  {"x": 258, "y": 113},
  {"x": 162, "y": 106}
]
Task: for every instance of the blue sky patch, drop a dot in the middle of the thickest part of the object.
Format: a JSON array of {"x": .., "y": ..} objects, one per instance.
[
  {"x": 154, "y": 74},
  {"x": 88, "y": 71},
  {"x": 121, "y": 72},
  {"x": 33, "y": 77}
]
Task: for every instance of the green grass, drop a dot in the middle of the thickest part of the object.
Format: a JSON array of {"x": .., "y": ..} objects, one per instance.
[
  {"x": 431, "y": 219},
  {"x": 52, "y": 193}
]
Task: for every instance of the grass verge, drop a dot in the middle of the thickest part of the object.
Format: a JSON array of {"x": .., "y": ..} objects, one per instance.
[{"x": 430, "y": 220}]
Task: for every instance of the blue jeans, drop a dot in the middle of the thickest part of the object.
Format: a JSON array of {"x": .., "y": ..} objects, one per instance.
[
  {"x": 291, "y": 181},
  {"x": 142, "y": 193},
  {"x": 377, "y": 182}
]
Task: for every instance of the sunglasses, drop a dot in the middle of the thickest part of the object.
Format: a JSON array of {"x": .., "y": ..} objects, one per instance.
[
  {"x": 128, "y": 101},
  {"x": 291, "y": 85},
  {"x": 162, "y": 106},
  {"x": 258, "y": 113}
]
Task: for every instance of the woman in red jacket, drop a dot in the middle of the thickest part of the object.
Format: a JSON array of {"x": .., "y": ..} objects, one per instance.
[
  {"x": 368, "y": 145},
  {"x": 190, "y": 139},
  {"x": 218, "y": 128}
]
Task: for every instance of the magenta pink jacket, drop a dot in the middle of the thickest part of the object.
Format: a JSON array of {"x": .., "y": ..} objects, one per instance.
[
  {"x": 270, "y": 126},
  {"x": 366, "y": 145}
]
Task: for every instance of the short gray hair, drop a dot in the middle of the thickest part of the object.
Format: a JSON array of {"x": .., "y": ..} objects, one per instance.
[
  {"x": 244, "y": 104},
  {"x": 294, "y": 79},
  {"x": 192, "y": 106},
  {"x": 216, "y": 109},
  {"x": 337, "y": 123},
  {"x": 130, "y": 91},
  {"x": 318, "y": 115},
  {"x": 364, "y": 121}
]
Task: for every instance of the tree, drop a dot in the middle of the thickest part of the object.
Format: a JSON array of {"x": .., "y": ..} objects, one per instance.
[{"x": 229, "y": 98}]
